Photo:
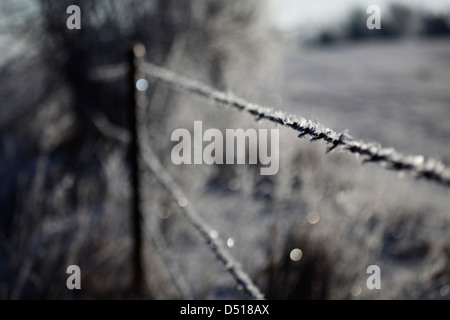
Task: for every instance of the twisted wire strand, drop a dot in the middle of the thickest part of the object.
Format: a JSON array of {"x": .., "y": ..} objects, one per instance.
[
  {"x": 422, "y": 167},
  {"x": 193, "y": 217}
]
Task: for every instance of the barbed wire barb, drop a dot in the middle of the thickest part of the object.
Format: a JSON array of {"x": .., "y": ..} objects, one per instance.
[
  {"x": 426, "y": 168},
  {"x": 193, "y": 217}
]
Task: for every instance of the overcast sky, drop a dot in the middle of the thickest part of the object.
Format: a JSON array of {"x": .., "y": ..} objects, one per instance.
[{"x": 291, "y": 13}]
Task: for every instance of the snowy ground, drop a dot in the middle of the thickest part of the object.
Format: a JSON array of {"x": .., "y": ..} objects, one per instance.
[{"x": 394, "y": 93}]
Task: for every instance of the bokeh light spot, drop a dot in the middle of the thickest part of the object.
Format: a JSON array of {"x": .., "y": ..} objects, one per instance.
[
  {"x": 182, "y": 202},
  {"x": 142, "y": 85},
  {"x": 313, "y": 218},
  {"x": 296, "y": 255},
  {"x": 230, "y": 242},
  {"x": 356, "y": 291}
]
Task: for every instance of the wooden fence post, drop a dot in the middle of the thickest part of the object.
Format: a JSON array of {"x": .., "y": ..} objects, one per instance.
[{"x": 135, "y": 60}]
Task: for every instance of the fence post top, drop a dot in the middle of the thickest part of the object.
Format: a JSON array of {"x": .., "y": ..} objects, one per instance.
[{"x": 139, "y": 50}]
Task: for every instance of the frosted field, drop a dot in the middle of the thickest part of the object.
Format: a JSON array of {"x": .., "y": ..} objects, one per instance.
[{"x": 394, "y": 93}]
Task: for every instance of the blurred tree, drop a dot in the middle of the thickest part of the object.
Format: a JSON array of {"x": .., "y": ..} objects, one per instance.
[
  {"x": 397, "y": 21},
  {"x": 356, "y": 27},
  {"x": 53, "y": 102},
  {"x": 216, "y": 31},
  {"x": 436, "y": 25},
  {"x": 400, "y": 20}
]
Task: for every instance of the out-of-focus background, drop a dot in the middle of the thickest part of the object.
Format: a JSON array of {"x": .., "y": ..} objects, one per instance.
[{"x": 309, "y": 232}]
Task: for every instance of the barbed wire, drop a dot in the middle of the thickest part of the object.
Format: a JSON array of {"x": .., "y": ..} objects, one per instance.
[
  {"x": 210, "y": 235},
  {"x": 426, "y": 168},
  {"x": 111, "y": 73}
]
